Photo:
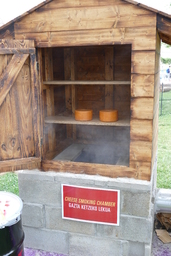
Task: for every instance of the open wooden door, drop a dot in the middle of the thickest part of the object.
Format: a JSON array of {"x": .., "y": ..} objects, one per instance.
[{"x": 19, "y": 106}]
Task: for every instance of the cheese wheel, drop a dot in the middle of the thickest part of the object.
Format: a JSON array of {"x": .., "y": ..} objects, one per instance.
[
  {"x": 108, "y": 115},
  {"x": 83, "y": 114}
]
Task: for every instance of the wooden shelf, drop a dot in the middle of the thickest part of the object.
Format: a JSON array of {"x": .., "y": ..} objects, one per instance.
[
  {"x": 64, "y": 82},
  {"x": 94, "y": 121}
]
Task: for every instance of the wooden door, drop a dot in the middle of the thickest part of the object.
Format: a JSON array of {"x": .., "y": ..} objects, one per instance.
[{"x": 19, "y": 106}]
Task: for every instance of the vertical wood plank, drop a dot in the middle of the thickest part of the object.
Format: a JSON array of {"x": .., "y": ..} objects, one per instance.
[
  {"x": 109, "y": 76},
  {"x": 42, "y": 114},
  {"x": 109, "y": 56},
  {"x": 73, "y": 89},
  {"x": 50, "y": 97},
  {"x": 36, "y": 104},
  {"x": 68, "y": 90}
]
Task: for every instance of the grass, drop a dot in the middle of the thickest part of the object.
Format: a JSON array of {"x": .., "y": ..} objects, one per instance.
[
  {"x": 164, "y": 143},
  {"x": 9, "y": 181}
]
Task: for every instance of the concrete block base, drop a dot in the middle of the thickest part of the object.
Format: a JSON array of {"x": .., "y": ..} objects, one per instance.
[{"x": 45, "y": 229}]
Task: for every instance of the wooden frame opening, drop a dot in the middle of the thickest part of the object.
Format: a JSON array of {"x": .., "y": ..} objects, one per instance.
[{"x": 91, "y": 77}]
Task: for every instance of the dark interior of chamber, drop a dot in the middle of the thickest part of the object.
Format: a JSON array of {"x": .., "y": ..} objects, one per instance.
[{"x": 100, "y": 144}]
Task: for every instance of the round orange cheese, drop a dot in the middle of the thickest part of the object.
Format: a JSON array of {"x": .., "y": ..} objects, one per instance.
[
  {"x": 108, "y": 115},
  {"x": 83, "y": 114}
]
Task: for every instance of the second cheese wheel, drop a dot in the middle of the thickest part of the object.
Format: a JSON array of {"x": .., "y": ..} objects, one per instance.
[
  {"x": 83, "y": 114},
  {"x": 108, "y": 115}
]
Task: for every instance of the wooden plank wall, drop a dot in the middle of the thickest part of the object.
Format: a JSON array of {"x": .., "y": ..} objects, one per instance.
[
  {"x": 156, "y": 101},
  {"x": 86, "y": 22},
  {"x": 144, "y": 113}
]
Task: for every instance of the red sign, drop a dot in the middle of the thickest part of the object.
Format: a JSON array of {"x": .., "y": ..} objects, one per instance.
[{"x": 91, "y": 204}]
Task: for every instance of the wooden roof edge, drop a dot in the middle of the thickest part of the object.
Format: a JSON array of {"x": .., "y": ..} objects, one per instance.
[
  {"x": 25, "y": 14},
  {"x": 148, "y": 8}
]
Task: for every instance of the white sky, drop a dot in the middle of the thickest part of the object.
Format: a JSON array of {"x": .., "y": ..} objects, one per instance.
[{"x": 10, "y": 9}]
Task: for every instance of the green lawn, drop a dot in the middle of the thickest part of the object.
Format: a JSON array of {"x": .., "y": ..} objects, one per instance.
[
  {"x": 9, "y": 181},
  {"x": 164, "y": 143}
]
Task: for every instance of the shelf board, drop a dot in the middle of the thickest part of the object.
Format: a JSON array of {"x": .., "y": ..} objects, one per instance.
[
  {"x": 65, "y": 82},
  {"x": 94, "y": 121}
]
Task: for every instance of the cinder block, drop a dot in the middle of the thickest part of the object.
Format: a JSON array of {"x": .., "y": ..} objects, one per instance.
[
  {"x": 36, "y": 191},
  {"x": 148, "y": 250},
  {"x": 33, "y": 215},
  {"x": 90, "y": 246},
  {"x": 36, "y": 175},
  {"x": 136, "y": 229},
  {"x": 137, "y": 204},
  {"x": 129, "y": 184},
  {"x": 131, "y": 229},
  {"x": 54, "y": 221},
  {"x": 75, "y": 179},
  {"x": 47, "y": 240},
  {"x": 136, "y": 249}
]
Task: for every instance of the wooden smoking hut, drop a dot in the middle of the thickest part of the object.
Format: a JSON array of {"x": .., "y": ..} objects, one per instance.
[{"x": 65, "y": 56}]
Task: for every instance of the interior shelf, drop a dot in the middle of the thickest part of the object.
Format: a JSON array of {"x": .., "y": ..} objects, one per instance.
[
  {"x": 69, "y": 82},
  {"x": 95, "y": 121}
]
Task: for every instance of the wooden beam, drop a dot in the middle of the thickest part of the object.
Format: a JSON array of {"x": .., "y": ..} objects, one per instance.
[
  {"x": 164, "y": 25},
  {"x": 10, "y": 74},
  {"x": 68, "y": 82},
  {"x": 16, "y": 44},
  {"x": 140, "y": 38},
  {"x": 17, "y": 51},
  {"x": 113, "y": 171},
  {"x": 18, "y": 164}
]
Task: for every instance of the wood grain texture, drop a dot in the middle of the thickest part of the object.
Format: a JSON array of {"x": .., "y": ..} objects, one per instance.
[
  {"x": 140, "y": 38},
  {"x": 69, "y": 73},
  {"x": 143, "y": 169},
  {"x": 61, "y": 82},
  {"x": 164, "y": 25},
  {"x": 50, "y": 96},
  {"x": 17, "y": 51},
  {"x": 141, "y": 130},
  {"x": 60, "y": 119},
  {"x": 7, "y": 32},
  {"x": 16, "y": 44},
  {"x": 35, "y": 86},
  {"x": 20, "y": 164},
  {"x": 89, "y": 3},
  {"x": 17, "y": 130},
  {"x": 140, "y": 151},
  {"x": 109, "y": 76},
  {"x": 142, "y": 108},
  {"x": 78, "y": 18},
  {"x": 142, "y": 85},
  {"x": 10, "y": 74},
  {"x": 143, "y": 62},
  {"x": 90, "y": 169}
]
